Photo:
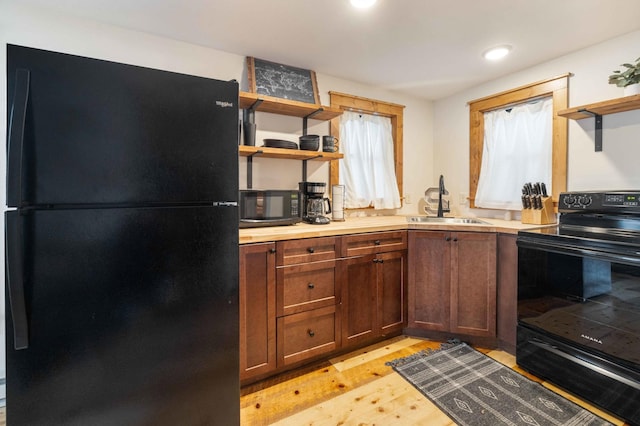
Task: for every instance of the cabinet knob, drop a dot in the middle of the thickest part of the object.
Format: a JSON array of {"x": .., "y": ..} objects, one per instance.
[
  {"x": 311, "y": 333},
  {"x": 310, "y": 250},
  {"x": 455, "y": 239},
  {"x": 272, "y": 250},
  {"x": 311, "y": 285},
  {"x": 376, "y": 242},
  {"x": 447, "y": 238}
]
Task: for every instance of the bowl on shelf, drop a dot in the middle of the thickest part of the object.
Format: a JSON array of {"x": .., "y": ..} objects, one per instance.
[{"x": 309, "y": 142}]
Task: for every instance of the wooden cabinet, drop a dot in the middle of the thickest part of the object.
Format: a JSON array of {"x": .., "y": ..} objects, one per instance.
[
  {"x": 294, "y": 252},
  {"x": 257, "y": 309},
  {"x": 372, "y": 274},
  {"x": 452, "y": 277},
  {"x": 507, "y": 303},
  {"x": 308, "y": 321}
]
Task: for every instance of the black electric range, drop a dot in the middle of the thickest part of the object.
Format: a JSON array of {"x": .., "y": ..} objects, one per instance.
[{"x": 579, "y": 299}]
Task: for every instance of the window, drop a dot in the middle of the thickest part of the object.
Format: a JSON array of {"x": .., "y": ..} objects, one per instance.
[
  {"x": 372, "y": 107},
  {"x": 367, "y": 169},
  {"x": 517, "y": 149},
  {"x": 557, "y": 89}
]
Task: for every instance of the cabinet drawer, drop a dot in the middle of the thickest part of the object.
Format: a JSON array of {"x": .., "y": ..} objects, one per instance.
[
  {"x": 307, "y": 334},
  {"x": 305, "y": 287},
  {"x": 306, "y": 250},
  {"x": 376, "y": 242}
]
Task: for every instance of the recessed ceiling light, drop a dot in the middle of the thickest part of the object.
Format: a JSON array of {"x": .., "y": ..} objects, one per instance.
[
  {"x": 362, "y": 4},
  {"x": 496, "y": 53}
]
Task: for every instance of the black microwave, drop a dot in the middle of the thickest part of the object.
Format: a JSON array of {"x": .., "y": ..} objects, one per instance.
[{"x": 269, "y": 207}]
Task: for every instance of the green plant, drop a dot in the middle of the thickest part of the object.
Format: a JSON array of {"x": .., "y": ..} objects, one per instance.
[{"x": 627, "y": 77}]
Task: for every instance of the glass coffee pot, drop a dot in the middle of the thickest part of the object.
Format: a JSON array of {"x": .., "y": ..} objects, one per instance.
[
  {"x": 316, "y": 210},
  {"x": 316, "y": 205}
]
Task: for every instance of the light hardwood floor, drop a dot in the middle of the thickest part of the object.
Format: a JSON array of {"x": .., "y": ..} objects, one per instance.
[
  {"x": 356, "y": 389},
  {"x": 353, "y": 389}
]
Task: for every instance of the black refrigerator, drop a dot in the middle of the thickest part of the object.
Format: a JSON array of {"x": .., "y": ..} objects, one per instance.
[{"x": 121, "y": 239}]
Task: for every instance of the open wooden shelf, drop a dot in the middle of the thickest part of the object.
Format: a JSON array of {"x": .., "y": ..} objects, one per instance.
[
  {"x": 274, "y": 105},
  {"x": 612, "y": 106},
  {"x": 289, "y": 154},
  {"x": 598, "y": 109}
]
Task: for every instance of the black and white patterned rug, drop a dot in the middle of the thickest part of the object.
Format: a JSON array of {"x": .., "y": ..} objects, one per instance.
[{"x": 476, "y": 390}]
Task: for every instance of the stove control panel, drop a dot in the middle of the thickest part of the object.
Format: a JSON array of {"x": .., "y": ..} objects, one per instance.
[{"x": 610, "y": 201}]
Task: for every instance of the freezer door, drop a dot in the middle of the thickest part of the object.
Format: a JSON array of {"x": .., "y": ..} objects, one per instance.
[
  {"x": 86, "y": 131},
  {"x": 132, "y": 317}
]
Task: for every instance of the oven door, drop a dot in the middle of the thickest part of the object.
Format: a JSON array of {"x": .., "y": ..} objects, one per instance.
[{"x": 579, "y": 317}]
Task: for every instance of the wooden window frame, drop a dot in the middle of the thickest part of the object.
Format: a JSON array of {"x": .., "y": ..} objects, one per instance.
[
  {"x": 395, "y": 112},
  {"x": 558, "y": 89}
]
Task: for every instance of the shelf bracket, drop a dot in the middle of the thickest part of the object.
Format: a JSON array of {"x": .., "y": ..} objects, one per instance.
[
  {"x": 250, "y": 168},
  {"x": 255, "y": 105},
  {"x": 305, "y": 118},
  {"x": 598, "y": 135},
  {"x": 304, "y": 166}
]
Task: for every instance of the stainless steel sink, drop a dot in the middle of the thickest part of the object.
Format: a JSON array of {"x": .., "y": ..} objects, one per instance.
[{"x": 453, "y": 220}]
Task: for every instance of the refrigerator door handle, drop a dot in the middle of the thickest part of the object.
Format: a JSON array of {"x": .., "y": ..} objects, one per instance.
[
  {"x": 15, "y": 139},
  {"x": 14, "y": 277}
]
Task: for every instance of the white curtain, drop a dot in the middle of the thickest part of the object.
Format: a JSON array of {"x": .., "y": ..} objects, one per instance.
[
  {"x": 517, "y": 149},
  {"x": 367, "y": 169}
]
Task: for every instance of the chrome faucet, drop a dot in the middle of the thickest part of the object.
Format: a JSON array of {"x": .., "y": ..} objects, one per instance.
[{"x": 442, "y": 191}]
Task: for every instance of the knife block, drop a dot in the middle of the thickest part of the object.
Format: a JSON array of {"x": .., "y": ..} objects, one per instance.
[{"x": 542, "y": 216}]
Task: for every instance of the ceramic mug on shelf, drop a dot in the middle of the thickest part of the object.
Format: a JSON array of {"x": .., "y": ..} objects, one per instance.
[{"x": 329, "y": 144}]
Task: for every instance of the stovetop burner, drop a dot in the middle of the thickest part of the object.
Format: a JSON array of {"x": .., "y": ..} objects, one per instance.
[{"x": 593, "y": 223}]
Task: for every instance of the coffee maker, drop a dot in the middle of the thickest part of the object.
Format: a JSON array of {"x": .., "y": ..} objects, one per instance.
[{"x": 316, "y": 205}]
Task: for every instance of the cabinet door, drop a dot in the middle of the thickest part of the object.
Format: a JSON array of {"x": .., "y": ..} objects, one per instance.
[
  {"x": 429, "y": 278},
  {"x": 257, "y": 309},
  {"x": 392, "y": 270},
  {"x": 359, "y": 294},
  {"x": 374, "y": 242},
  {"x": 292, "y": 252},
  {"x": 473, "y": 283},
  {"x": 507, "y": 291},
  {"x": 306, "y": 286},
  {"x": 307, "y": 334}
]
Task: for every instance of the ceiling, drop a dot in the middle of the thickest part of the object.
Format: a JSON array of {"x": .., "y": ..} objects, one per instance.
[{"x": 427, "y": 48}]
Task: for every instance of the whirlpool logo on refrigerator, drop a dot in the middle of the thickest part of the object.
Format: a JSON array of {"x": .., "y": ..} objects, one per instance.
[
  {"x": 224, "y": 104},
  {"x": 592, "y": 339}
]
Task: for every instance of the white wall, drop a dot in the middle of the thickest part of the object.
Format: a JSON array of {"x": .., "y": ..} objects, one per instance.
[
  {"x": 36, "y": 28},
  {"x": 613, "y": 168},
  {"x": 439, "y": 131}
]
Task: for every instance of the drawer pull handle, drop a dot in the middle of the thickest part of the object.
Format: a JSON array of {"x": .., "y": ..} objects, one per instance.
[
  {"x": 310, "y": 250},
  {"x": 311, "y": 333},
  {"x": 311, "y": 285},
  {"x": 376, "y": 242},
  {"x": 272, "y": 250}
]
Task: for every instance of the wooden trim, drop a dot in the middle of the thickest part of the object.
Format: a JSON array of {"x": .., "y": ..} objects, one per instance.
[
  {"x": 525, "y": 87},
  {"x": 395, "y": 112},
  {"x": 558, "y": 89}
]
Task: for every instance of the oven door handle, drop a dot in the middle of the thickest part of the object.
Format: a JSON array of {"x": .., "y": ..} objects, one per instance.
[
  {"x": 557, "y": 351},
  {"x": 616, "y": 256}
]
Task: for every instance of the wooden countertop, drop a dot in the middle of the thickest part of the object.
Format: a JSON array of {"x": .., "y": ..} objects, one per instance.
[{"x": 371, "y": 224}]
